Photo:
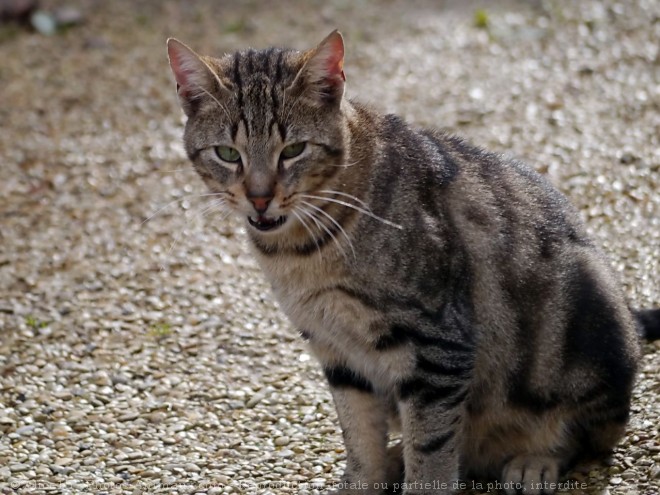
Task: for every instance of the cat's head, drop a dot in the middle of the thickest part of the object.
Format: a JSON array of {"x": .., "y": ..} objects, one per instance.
[{"x": 266, "y": 128}]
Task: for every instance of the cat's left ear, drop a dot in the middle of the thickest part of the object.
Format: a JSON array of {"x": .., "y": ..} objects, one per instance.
[{"x": 322, "y": 75}]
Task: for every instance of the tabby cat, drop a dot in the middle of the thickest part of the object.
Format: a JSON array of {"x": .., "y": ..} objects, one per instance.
[{"x": 445, "y": 290}]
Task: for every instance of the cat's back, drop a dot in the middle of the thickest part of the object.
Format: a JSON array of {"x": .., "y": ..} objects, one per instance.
[
  {"x": 488, "y": 230},
  {"x": 441, "y": 187}
]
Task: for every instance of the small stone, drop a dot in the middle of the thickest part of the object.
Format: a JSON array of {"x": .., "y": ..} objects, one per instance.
[
  {"x": 102, "y": 379},
  {"x": 131, "y": 416},
  {"x": 18, "y": 468},
  {"x": 43, "y": 470},
  {"x": 192, "y": 468},
  {"x": 63, "y": 395},
  {"x": 254, "y": 400},
  {"x": 26, "y": 430},
  {"x": 61, "y": 431},
  {"x": 655, "y": 472},
  {"x": 627, "y": 158},
  {"x": 44, "y": 23},
  {"x": 63, "y": 470},
  {"x": 282, "y": 441},
  {"x": 222, "y": 479},
  {"x": 616, "y": 480},
  {"x": 178, "y": 427},
  {"x": 156, "y": 416}
]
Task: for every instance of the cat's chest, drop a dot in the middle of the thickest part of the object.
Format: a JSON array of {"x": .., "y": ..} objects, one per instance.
[
  {"x": 318, "y": 300},
  {"x": 304, "y": 287},
  {"x": 311, "y": 293}
]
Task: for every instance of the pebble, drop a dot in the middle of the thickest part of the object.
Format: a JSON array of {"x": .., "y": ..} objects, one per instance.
[
  {"x": 131, "y": 416},
  {"x": 61, "y": 469},
  {"x": 44, "y": 22},
  {"x": 192, "y": 468},
  {"x": 281, "y": 441},
  {"x": 26, "y": 430},
  {"x": 18, "y": 468},
  {"x": 654, "y": 473},
  {"x": 61, "y": 431},
  {"x": 43, "y": 470}
]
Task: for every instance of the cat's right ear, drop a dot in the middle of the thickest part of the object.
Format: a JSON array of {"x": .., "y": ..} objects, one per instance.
[{"x": 193, "y": 76}]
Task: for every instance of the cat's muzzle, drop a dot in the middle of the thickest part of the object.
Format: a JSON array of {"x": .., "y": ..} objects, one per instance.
[{"x": 265, "y": 223}]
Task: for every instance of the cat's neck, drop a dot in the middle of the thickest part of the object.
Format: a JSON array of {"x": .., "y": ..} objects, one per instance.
[{"x": 361, "y": 146}]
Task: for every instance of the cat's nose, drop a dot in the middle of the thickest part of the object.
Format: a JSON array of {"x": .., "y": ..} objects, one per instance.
[{"x": 260, "y": 203}]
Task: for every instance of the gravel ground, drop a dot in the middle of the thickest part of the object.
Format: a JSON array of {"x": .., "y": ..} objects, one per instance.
[{"x": 148, "y": 356}]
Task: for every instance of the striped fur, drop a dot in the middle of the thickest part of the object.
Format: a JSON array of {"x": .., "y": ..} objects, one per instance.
[{"x": 444, "y": 289}]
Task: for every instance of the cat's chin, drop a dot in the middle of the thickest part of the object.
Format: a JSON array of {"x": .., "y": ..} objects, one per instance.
[{"x": 266, "y": 224}]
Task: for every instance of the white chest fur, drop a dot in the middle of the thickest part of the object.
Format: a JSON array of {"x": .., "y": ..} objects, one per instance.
[{"x": 343, "y": 330}]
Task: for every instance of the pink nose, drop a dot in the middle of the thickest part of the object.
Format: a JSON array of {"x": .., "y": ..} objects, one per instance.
[{"x": 260, "y": 203}]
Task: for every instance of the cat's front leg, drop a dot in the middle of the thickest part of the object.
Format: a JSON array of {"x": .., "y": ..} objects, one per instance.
[
  {"x": 430, "y": 417},
  {"x": 363, "y": 419}
]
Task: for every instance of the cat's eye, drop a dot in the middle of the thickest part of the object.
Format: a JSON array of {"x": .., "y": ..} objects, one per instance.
[
  {"x": 228, "y": 154},
  {"x": 292, "y": 150}
]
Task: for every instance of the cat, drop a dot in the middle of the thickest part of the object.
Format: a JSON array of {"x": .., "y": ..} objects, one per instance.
[{"x": 446, "y": 291}]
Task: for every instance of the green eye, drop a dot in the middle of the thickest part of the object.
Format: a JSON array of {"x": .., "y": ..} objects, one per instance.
[
  {"x": 292, "y": 150},
  {"x": 228, "y": 154}
]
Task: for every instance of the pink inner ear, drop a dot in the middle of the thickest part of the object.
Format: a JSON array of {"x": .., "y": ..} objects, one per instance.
[
  {"x": 334, "y": 63},
  {"x": 183, "y": 64}
]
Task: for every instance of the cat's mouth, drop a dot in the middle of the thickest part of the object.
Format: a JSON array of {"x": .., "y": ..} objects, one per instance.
[{"x": 265, "y": 223}]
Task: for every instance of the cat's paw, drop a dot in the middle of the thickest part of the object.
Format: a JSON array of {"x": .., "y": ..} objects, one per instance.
[{"x": 531, "y": 475}]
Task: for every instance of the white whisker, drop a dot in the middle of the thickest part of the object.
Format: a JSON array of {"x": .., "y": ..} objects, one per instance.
[
  {"x": 346, "y": 195},
  {"x": 357, "y": 208},
  {"x": 320, "y": 225},
  {"x": 189, "y": 196},
  {"x": 175, "y": 170},
  {"x": 224, "y": 108},
  {"x": 304, "y": 224},
  {"x": 345, "y": 165},
  {"x": 336, "y": 223},
  {"x": 214, "y": 206}
]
